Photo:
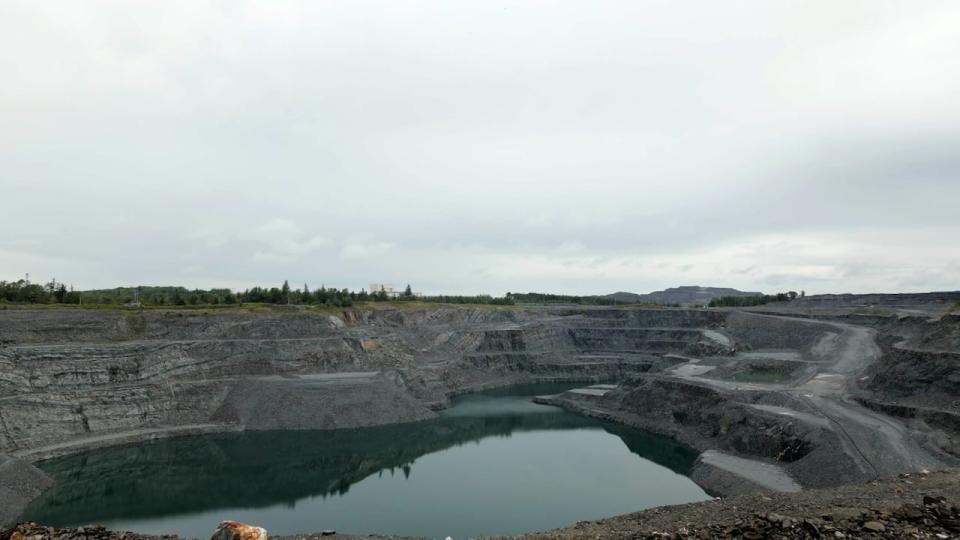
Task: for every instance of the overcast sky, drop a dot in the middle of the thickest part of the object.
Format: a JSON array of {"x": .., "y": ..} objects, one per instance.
[{"x": 482, "y": 146}]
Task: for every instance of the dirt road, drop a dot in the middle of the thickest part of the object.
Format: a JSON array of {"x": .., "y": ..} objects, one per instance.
[{"x": 881, "y": 446}]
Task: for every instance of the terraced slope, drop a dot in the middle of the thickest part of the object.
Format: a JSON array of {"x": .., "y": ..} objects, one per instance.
[
  {"x": 816, "y": 411},
  {"x": 87, "y": 377},
  {"x": 779, "y": 401}
]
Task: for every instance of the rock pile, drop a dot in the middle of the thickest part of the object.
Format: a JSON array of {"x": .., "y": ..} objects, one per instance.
[
  {"x": 935, "y": 518},
  {"x": 33, "y": 531},
  {"x": 228, "y": 530}
]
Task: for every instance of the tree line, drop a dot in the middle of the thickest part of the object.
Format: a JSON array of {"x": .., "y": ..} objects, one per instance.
[
  {"x": 746, "y": 301},
  {"x": 23, "y": 292},
  {"x": 54, "y": 292}
]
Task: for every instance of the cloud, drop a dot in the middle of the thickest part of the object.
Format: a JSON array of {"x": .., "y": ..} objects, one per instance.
[
  {"x": 368, "y": 250},
  {"x": 284, "y": 242},
  {"x": 624, "y": 146}
]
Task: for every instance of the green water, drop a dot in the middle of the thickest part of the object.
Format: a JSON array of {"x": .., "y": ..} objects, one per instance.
[{"x": 493, "y": 463}]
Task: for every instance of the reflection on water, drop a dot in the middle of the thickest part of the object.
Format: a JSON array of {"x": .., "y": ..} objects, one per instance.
[{"x": 493, "y": 463}]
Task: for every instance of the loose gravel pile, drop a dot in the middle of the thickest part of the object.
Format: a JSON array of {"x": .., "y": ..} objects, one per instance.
[
  {"x": 919, "y": 505},
  {"x": 33, "y": 531},
  {"x": 935, "y": 518}
]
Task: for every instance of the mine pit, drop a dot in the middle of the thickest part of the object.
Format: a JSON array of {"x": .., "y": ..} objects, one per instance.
[{"x": 421, "y": 421}]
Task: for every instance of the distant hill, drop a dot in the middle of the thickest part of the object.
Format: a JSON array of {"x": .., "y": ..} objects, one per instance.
[{"x": 686, "y": 295}]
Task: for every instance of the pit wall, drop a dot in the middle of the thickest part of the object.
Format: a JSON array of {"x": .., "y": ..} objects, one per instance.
[
  {"x": 919, "y": 364},
  {"x": 85, "y": 375},
  {"x": 911, "y": 374},
  {"x": 71, "y": 375},
  {"x": 917, "y": 378},
  {"x": 52, "y": 326},
  {"x": 766, "y": 332}
]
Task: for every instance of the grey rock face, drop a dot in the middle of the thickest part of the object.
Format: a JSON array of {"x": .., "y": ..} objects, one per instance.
[
  {"x": 20, "y": 482},
  {"x": 75, "y": 378},
  {"x": 72, "y": 378}
]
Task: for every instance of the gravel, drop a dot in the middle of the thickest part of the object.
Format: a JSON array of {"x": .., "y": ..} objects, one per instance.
[{"x": 923, "y": 505}]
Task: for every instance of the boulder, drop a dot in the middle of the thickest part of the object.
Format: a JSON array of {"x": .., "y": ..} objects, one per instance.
[{"x": 234, "y": 530}]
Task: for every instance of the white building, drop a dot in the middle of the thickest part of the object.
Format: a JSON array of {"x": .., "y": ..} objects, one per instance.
[
  {"x": 392, "y": 292},
  {"x": 389, "y": 289}
]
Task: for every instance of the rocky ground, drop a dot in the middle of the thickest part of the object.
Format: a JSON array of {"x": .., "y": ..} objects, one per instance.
[
  {"x": 33, "y": 531},
  {"x": 910, "y": 506}
]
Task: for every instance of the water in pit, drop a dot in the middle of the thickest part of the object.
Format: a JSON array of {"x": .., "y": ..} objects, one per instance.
[{"x": 493, "y": 463}]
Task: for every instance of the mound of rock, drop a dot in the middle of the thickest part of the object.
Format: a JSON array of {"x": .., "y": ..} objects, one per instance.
[
  {"x": 935, "y": 518},
  {"x": 33, "y": 531},
  {"x": 19, "y": 483}
]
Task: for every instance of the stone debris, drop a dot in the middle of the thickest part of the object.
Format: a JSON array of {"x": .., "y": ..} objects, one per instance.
[
  {"x": 234, "y": 530},
  {"x": 934, "y": 518},
  {"x": 33, "y": 531},
  {"x": 231, "y": 530}
]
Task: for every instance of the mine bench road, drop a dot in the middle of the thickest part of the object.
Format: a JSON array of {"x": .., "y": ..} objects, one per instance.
[{"x": 881, "y": 445}]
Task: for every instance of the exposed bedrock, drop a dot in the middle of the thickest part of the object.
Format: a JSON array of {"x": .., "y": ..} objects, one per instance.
[
  {"x": 776, "y": 391},
  {"x": 79, "y": 375},
  {"x": 324, "y": 401},
  {"x": 777, "y": 333},
  {"x": 766, "y": 428},
  {"x": 920, "y": 362},
  {"x": 918, "y": 377},
  {"x": 843, "y": 408}
]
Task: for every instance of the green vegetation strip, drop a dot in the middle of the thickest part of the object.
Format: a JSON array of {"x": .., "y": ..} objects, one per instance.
[{"x": 54, "y": 294}]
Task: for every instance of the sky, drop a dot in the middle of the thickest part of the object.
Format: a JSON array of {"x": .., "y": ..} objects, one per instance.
[{"x": 482, "y": 146}]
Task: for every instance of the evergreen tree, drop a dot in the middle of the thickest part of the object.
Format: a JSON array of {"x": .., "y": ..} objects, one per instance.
[{"x": 61, "y": 293}]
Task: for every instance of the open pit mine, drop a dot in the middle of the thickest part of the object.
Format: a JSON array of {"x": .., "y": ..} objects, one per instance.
[{"x": 772, "y": 402}]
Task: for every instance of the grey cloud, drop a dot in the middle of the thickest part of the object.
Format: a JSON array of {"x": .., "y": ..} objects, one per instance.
[{"x": 482, "y": 146}]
